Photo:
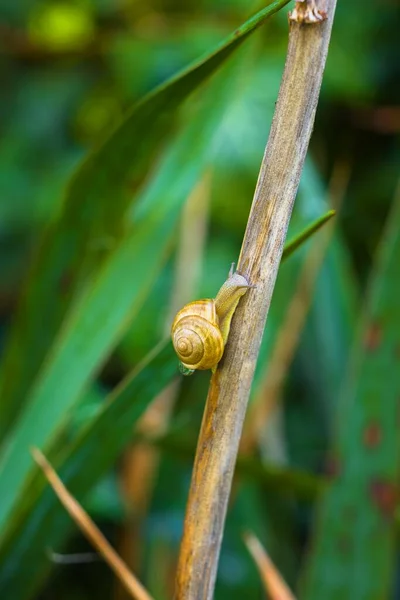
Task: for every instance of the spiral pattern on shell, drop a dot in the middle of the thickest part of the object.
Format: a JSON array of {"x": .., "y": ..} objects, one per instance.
[{"x": 197, "y": 340}]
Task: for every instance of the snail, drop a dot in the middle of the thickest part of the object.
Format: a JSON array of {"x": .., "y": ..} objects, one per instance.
[{"x": 201, "y": 328}]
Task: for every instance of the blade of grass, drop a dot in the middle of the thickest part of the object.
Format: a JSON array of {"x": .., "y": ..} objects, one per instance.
[
  {"x": 37, "y": 521},
  {"x": 97, "y": 320},
  {"x": 292, "y": 245},
  {"x": 82, "y": 346},
  {"x": 89, "y": 529},
  {"x": 274, "y": 584},
  {"x": 354, "y": 549},
  {"x": 68, "y": 254}
]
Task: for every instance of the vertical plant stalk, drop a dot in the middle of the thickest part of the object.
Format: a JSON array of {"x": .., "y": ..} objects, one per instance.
[
  {"x": 133, "y": 586},
  {"x": 259, "y": 261}
]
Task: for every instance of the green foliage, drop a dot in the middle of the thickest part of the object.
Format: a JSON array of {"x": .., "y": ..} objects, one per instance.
[
  {"x": 357, "y": 513},
  {"x": 89, "y": 238},
  {"x": 91, "y": 223},
  {"x": 37, "y": 521},
  {"x": 294, "y": 244}
]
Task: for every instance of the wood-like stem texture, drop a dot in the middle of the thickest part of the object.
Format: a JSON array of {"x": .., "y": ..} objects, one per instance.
[{"x": 259, "y": 261}]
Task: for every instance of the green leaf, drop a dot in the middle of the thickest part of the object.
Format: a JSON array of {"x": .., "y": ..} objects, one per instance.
[
  {"x": 93, "y": 218},
  {"x": 309, "y": 231},
  {"x": 117, "y": 294},
  {"x": 354, "y": 550},
  {"x": 41, "y": 522}
]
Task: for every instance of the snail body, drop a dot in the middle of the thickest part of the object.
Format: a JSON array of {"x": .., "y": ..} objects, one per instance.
[{"x": 201, "y": 328}]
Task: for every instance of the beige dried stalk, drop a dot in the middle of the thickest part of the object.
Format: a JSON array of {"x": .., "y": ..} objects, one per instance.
[
  {"x": 134, "y": 588},
  {"x": 273, "y": 581},
  {"x": 259, "y": 261}
]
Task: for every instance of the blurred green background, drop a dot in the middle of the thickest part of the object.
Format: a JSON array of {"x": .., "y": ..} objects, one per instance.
[{"x": 70, "y": 71}]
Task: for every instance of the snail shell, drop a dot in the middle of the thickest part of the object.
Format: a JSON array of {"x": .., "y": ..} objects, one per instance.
[
  {"x": 196, "y": 335},
  {"x": 200, "y": 330}
]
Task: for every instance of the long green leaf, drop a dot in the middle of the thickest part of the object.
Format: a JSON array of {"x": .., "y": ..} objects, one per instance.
[
  {"x": 116, "y": 296},
  {"x": 299, "y": 240},
  {"x": 354, "y": 551},
  {"x": 23, "y": 562},
  {"x": 93, "y": 218}
]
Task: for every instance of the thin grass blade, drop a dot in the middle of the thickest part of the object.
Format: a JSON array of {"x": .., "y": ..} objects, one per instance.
[{"x": 38, "y": 521}]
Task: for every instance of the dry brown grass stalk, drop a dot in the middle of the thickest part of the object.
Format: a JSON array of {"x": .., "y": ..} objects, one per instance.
[
  {"x": 90, "y": 530},
  {"x": 273, "y": 581},
  {"x": 259, "y": 262}
]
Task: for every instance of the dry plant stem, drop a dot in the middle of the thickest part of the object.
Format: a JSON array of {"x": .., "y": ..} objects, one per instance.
[
  {"x": 93, "y": 534},
  {"x": 259, "y": 262},
  {"x": 274, "y": 583}
]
